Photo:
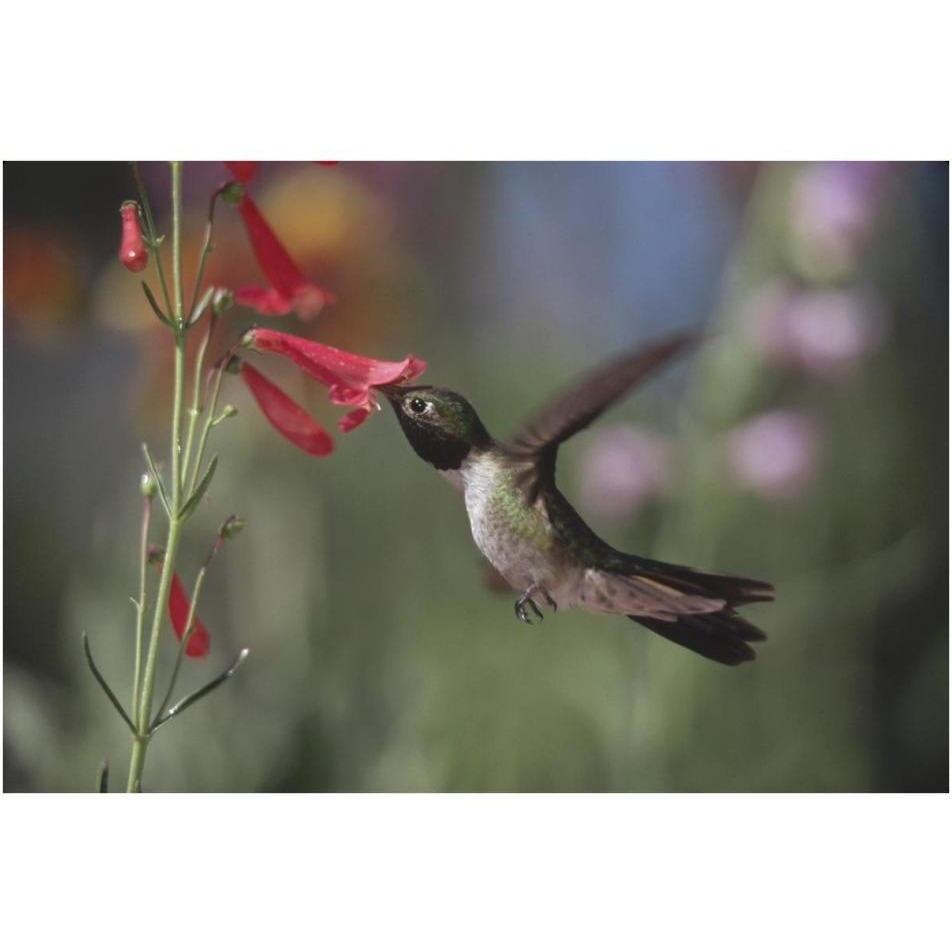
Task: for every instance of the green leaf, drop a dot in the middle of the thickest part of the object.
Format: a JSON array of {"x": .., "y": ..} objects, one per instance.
[
  {"x": 154, "y": 470},
  {"x": 196, "y": 496},
  {"x": 155, "y": 305},
  {"x": 102, "y": 784},
  {"x": 102, "y": 683},
  {"x": 188, "y": 701}
]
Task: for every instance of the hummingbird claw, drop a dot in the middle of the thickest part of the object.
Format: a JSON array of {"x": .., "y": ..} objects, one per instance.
[{"x": 522, "y": 612}]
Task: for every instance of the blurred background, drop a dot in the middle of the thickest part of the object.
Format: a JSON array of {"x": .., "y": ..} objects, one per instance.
[{"x": 805, "y": 444}]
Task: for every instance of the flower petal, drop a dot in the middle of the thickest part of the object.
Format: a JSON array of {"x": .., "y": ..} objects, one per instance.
[
  {"x": 179, "y": 606},
  {"x": 265, "y": 301},
  {"x": 286, "y": 416},
  {"x": 244, "y": 172},
  {"x": 350, "y": 376},
  {"x": 285, "y": 277},
  {"x": 353, "y": 419}
]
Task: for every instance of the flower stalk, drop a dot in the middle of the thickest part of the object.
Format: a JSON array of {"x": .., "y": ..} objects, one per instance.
[
  {"x": 174, "y": 497},
  {"x": 350, "y": 379}
]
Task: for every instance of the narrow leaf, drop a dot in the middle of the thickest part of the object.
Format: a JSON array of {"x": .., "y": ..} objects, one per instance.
[
  {"x": 155, "y": 305},
  {"x": 103, "y": 783},
  {"x": 102, "y": 683},
  {"x": 154, "y": 470},
  {"x": 188, "y": 701},
  {"x": 200, "y": 307},
  {"x": 196, "y": 496}
]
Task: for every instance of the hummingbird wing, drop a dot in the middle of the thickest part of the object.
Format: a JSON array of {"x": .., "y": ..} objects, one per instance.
[{"x": 577, "y": 407}]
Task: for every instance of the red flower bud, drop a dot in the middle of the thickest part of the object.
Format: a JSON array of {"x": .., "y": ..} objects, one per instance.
[
  {"x": 132, "y": 250},
  {"x": 286, "y": 416}
]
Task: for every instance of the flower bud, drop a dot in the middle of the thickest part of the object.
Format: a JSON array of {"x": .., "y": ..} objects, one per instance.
[
  {"x": 147, "y": 485},
  {"x": 229, "y": 411},
  {"x": 132, "y": 250},
  {"x": 232, "y": 526},
  {"x": 222, "y": 300},
  {"x": 233, "y": 193}
]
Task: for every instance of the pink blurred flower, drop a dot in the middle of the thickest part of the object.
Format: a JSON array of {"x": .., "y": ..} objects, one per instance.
[
  {"x": 834, "y": 205},
  {"x": 775, "y": 454},
  {"x": 624, "y": 467},
  {"x": 820, "y": 332}
]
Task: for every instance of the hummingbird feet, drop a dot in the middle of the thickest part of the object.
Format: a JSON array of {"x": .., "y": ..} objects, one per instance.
[{"x": 526, "y": 599}]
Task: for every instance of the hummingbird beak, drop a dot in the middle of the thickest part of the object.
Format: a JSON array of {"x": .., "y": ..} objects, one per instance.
[{"x": 391, "y": 391}]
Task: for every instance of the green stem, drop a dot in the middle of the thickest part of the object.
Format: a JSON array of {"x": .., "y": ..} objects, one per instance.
[
  {"x": 177, "y": 240},
  {"x": 207, "y": 428},
  {"x": 153, "y": 235},
  {"x": 196, "y": 408},
  {"x": 136, "y": 763},
  {"x": 141, "y": 604},
  {"x": 143, "y": 715},
  {"x": 206, "y": 247}
]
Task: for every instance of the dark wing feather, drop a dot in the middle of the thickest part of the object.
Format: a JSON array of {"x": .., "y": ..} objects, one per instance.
[{"x": 576, "y": 408}]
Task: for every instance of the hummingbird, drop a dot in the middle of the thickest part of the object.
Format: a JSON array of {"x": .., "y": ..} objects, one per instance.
[{"x": 540, "y": 545}]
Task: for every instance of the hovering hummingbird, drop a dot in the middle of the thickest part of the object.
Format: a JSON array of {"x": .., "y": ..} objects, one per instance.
[{"x": 541, "y": 546}]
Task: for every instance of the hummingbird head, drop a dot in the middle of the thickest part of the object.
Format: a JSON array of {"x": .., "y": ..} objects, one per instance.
[{"x": 441, "y": 425}]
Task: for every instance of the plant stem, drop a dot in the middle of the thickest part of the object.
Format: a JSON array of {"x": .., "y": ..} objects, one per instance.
[
  {"x": 196, "y": 408},
  {"x": 143, "y": 716},
  {"x": 206, "y": 428},
  {"x": 141, "y": 605},
  {"x": 153, "y": 234}
]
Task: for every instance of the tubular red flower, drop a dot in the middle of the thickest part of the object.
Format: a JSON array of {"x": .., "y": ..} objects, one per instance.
[
  {"x": 286, "y": 416},
  {"x": 132, "y": 250},
  {"x": 290, "y": 290},
  {"x": 350, "y": 378}
]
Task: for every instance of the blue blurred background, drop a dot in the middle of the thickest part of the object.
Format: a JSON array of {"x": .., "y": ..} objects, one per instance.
[{"x": 806, "y": 444}]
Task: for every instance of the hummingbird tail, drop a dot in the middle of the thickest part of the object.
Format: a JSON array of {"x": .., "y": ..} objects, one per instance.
[
  {"x": 733, "y": 589},
  {"x": 721, "y": 636}
]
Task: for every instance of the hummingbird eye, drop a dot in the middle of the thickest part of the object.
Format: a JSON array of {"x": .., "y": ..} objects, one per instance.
[{"x": 417, "y": 405}]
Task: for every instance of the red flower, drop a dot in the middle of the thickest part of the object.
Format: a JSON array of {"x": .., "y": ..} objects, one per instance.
[
  {"x": 286, "y": 416},
  {"x": 244, "y": 172},
  {"x": 290, "y": 289},
  {"x": 349, "y": 377},
  {"x": 132, "y": 250}
]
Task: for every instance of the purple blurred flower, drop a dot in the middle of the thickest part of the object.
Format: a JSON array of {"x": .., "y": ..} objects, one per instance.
[
  {"x": 775, "y": 454},
  {"x": 625, "y": 466},
  {"x": 834, "y": 205},
  {"x": 820, "y": 332}
]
